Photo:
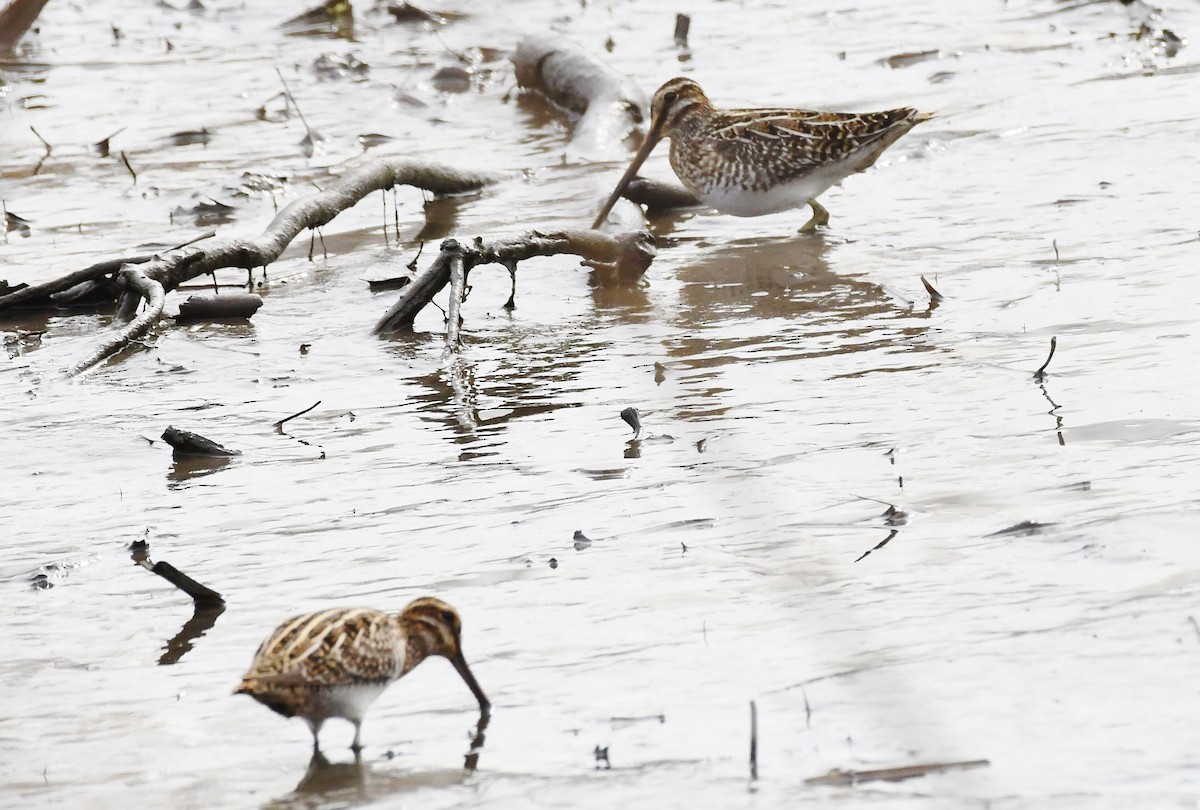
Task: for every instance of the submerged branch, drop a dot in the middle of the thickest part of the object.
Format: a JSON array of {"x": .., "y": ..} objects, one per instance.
[
  {"x": 15, "y": 19},
  {"x": 172, "y": 268},
  {"x": 610, "y": 105},
  {"x": 626, "y": 256},
  {"x": 458, "y": 291},
  {"x": 147, "y": 288}
]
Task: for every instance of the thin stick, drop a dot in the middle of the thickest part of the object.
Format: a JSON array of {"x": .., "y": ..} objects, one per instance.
[
  {"x": 458, "y": 281},
  {"x": 753, "y": 741},
  {"x": 125, "y": 160},
  {"x": 1054, "y": 244},
  {"x": 934, "y": 295},
  {"x": 1195, "y": 626},
  {"x": 292, "y": 100},
  {"x": 1040, "y": 374},
  {"x": 45, "y": 142},
  {"x": 298, "y": 413},
  {"x": 383, "y": 195},
  {"x": 807, "y": 709},
  {"x": 396, "y": 215}
]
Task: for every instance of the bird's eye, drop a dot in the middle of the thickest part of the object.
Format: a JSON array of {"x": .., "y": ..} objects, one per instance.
[
  {"x": 448, "y": 617},
  {"x": 671, "y": 97}
]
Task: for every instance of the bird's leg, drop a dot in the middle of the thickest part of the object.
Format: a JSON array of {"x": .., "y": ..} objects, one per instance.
[
  {"x": 819, "y": 217},
  {"x": 356, "y": 746},
  {"x": 315, "y": 727}
]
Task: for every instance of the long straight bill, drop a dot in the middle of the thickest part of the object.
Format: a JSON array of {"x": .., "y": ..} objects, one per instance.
[
  {"x": 652, "y": 138},
  {"x": 460, "y": 664}
]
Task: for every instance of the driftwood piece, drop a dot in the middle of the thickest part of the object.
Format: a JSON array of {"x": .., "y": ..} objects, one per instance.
[
  {"x": 172, "y": 268},
  {"x": 848, "y": 778},
  {"x": 217, "y": 307},
  {"x": 15, "y": 19},
  {"x": 38, "y": 293},
  {"x": 202, "y": 594},
  {"x": 149, "y": 290},
  {"x": 659, "y": 196},
  {"x": 610, "y": 105},
  {"x": 186, "y": 443},
  {"x": 625, "y": 255},
  {"x": 81, "y": 287}
]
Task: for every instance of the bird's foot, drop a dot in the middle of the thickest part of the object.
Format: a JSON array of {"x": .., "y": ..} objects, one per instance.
[{"x": 819, "y": 218}]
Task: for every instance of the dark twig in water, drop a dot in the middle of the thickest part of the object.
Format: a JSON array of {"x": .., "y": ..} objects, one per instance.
[
  {"x": 511, "y": 303},
  {"x": 1195, "y": 626},
  {"x": 934, "y": 295},
  {"x": 879, "y": 545},
  {"x": 633, "y": 419},
  {"x": 1040, "y": 374},
  {"x": 128, "y": 166},
  {"x": 312, "y": 135},
  {"x": 753, "y": 741},
  {"x": 45, "y": 142},
  {"x": 807, "y": 708},
  {"x": 383, "y": 199},
  {"x": 201, "y": 594},
  {"x": 412, "y": 266},
  {"x": 1054, "y": 244},
  {"x": 281, "y": 422},
  {"x": 683, "y": 24},
  {"x": 102, "y": 146}
]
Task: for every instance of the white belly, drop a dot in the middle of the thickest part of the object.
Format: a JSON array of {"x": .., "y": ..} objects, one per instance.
[
  {"x": 783, "y": 197},
  {"x": 348, "y": 701}
]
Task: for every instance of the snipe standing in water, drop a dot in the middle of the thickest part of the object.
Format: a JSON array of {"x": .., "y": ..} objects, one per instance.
[
  {"x": 335, "y": 663},
  {"x": 762, "y": 161}
]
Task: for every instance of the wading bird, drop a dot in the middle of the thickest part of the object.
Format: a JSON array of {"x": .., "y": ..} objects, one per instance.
[
  {"x": 335, "y": 663},
  {"x": 761, "y": 161}
]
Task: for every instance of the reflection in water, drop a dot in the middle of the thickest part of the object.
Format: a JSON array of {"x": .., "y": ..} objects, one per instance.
[
  {"x": 455, "y": 395},
  {"x": 788, "y": 279},
  {"x": 879, "y": 545},
  {"x": 342, "y": 781},
  {"x": 354, "y": 783},
  {"x": 184, "y": 468},
  {"x": 471, "y": 761},
  {"x": 441, "y": 217},
  {"x": 204, "y": 617}
]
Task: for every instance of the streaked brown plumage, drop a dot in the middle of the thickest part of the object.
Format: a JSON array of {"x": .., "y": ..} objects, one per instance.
[
  {"x": 761, "y": 161},
  {"x": 334, "y": 663}
]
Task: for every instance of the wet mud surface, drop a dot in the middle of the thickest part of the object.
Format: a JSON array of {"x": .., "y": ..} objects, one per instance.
[{"x": 1030, "y": 592}]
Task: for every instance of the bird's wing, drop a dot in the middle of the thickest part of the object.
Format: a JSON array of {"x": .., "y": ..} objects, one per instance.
[{"x": 332, "y": 647}]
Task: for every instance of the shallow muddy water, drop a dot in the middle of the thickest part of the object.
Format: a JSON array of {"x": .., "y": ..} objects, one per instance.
[{"x": 1035, "y": 601}]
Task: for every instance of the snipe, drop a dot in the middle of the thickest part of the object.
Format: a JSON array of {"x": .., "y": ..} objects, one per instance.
[
  {"x": 761, "y": 161},
  {"x": 335, "y": 663}
]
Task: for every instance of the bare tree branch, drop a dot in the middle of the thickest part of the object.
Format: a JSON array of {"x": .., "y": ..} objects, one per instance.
[
  {"x": 15, "y": 19},
  {"x": 624, "y": 256},
  {"x": 172, "y": 268},
  {"x": 611, "y": 106},
  {"x": 135, "y": 280}
]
